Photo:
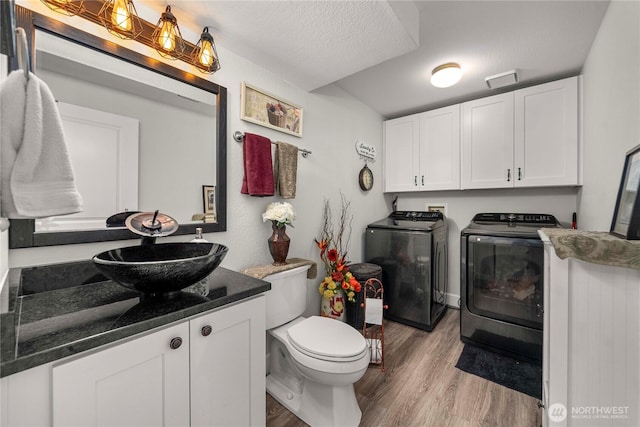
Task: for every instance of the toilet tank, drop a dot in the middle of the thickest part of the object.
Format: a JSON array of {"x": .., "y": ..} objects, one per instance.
[{"x": 287, "y": 298}]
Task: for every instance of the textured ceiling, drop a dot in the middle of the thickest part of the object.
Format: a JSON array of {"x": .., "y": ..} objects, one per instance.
[
  {"x": 543, "y": 40},
  {"x": 382, "y": 52},
  {"x": 308, "y": 43}
]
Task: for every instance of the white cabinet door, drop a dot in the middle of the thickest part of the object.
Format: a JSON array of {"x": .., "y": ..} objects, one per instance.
[
  {"x": 227, "y": 366},
  {"x": 546, "y": 134},
  {"x": 487, "y": 142},
  {"x": 440, "y": 149},
  {"x": 143, "y": 382},
  {"x": 25, "y": 398},
  {"x": 400, "y": 152}
]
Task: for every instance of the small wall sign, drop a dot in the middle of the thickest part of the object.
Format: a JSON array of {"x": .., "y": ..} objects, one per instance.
[{"x": 366, "y": 151}]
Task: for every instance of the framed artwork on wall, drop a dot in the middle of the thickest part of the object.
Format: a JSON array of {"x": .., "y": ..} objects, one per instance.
[
  {"x": 209, "y": 199},
  {"x": 262, "y": 108},
  {"x": 626, "y": 216}
]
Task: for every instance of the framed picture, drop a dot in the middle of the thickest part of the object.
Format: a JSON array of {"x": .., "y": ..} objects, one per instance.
[
  {"x": 209, "y": 199},
  {"x": 626, "y": 216},
  {"x": 265, "y": 109}
]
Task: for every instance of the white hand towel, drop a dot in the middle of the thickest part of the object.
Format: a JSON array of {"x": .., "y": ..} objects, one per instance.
[{"x": 35, "y": 158}]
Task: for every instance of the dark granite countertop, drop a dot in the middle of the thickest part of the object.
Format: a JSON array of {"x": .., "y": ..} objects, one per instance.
[{"x": 55, "y": 311}]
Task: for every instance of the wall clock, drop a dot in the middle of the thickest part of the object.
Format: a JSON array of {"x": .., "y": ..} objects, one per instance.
[{"x": 365, "y": 179}]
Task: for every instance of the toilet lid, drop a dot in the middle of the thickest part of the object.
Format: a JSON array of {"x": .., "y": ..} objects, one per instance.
[{"x": 326, "y": 338}]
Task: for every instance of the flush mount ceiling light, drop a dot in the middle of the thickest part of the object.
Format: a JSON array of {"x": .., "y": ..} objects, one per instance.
[
  {"x": 446, "y": 75},
  {"x": 167, "y": 39},
  {"x": 501, "y": 80},
  {"x": 205, "y": 57},
  {"x": 120, "y": 18}
]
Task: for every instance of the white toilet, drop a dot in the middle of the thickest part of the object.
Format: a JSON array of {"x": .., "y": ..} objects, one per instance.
[{"x": 312, "y": 363}]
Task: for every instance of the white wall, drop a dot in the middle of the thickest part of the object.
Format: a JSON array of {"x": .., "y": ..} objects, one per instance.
[
  {"x": 4, "y": 235},
  {"x": 611, "y": 111},
  {"x": 333, "y": 121}
]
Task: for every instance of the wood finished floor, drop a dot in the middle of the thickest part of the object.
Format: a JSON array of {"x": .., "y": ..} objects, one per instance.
[{"x": 422, "y": 387}]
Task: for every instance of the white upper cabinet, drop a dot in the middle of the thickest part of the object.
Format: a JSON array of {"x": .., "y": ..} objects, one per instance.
[
  {"x": 440, "y": 149},
  {"x": 526, "y": 138},
  {"x": 400, "y": 152},
  {"x": 546, "y": 134},
  {"x": 487, "y": 142},
  {"x": 422, "y": 151}
]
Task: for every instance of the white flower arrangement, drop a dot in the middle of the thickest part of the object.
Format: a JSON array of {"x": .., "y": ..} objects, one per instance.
[{"x": 281, "y": 213}]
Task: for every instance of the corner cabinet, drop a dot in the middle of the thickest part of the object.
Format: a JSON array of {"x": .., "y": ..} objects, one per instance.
[
  {"x": 208, "y": 370},
  {"x": 422, "y": 151},
  {"x": 525, "y": 138}
]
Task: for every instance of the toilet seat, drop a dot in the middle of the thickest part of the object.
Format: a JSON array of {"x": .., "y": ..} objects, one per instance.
[{"x": 327, "y": 339}]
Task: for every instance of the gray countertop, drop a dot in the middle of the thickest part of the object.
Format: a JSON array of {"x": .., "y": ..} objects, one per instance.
[{"x": 51, "y": 312}]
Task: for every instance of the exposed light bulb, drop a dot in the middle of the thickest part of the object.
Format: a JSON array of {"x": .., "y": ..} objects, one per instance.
[
  {"x": 120, "y": 18},
  {"x": 205, "y": 57},
  {"x": 120, "y": 15},
  {"x": 166, "y": 37},
  {"x": 206, "y": 53}
]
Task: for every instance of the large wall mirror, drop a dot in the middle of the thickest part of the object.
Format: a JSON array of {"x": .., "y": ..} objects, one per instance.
[{"x": 167, "y": 126}]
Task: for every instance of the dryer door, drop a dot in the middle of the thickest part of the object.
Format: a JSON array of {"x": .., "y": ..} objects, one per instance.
[{"x": 504, "y": 279}]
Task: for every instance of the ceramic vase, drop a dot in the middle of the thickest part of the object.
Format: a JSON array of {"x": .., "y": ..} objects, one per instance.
[
  {"x": 278, "y": 244},
  {"x": 334, "y": 307}
]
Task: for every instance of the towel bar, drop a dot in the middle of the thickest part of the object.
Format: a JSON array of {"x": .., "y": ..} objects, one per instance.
[{"x": 239, "y": 137}]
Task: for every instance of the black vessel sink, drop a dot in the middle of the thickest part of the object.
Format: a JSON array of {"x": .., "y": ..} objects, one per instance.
[{"x": 160, "y": 268}]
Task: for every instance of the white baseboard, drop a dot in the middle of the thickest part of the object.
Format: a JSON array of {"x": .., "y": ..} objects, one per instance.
[{"x": 453, "y": 300}]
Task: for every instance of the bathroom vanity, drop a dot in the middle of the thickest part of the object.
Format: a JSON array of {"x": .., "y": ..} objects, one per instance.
[{"x": 90, "y": 352}]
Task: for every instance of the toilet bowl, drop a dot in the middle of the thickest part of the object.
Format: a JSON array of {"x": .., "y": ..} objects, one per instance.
[{"x": 312, "y": 362}]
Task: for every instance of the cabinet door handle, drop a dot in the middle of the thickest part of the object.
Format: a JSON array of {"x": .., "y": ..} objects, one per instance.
[
  {"x": 539, "y": 310},
  {"x": 175, "y": 343},
  {"x": 422, "y": 179},
  {"x": 415, "y": 180},
  {"x": 206, "y": 330},
  {"x": 508, "y": 175},
  {"x": 519, "y": 174}
]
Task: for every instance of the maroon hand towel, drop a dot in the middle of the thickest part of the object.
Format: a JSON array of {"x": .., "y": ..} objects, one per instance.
[{"x": 258, "y": 168}]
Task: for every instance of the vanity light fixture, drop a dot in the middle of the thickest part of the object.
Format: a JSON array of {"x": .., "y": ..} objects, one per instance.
[
  {"x": 167, "y": 39},
  {"x": 67, "y": 7},
  {"x": 446, "y": 75},
  {"x": 205, "y": 56},
  {"x": 121, "y": 19}
]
